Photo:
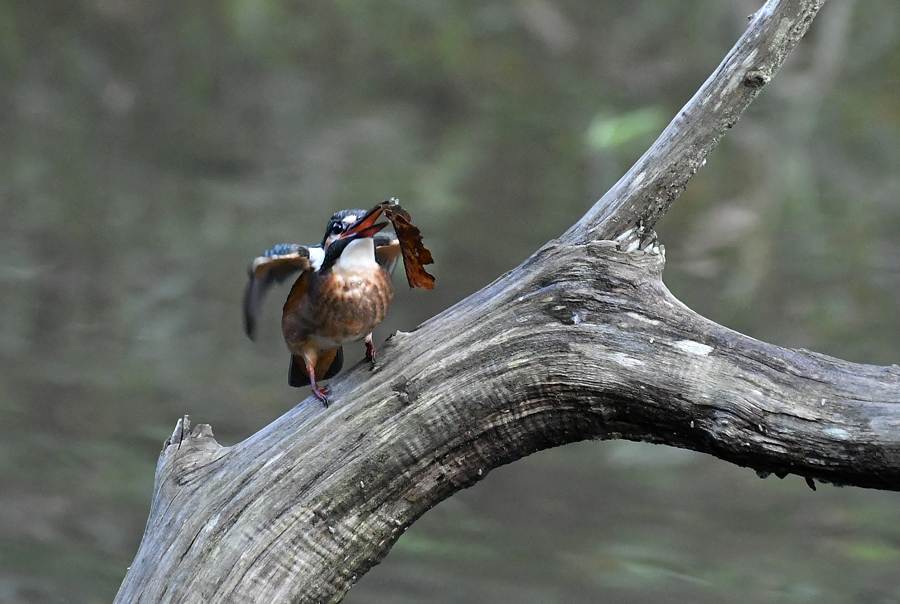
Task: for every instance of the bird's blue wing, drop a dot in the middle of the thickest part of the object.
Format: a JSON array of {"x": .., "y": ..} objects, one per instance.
[{"x": 275, "y": 265}]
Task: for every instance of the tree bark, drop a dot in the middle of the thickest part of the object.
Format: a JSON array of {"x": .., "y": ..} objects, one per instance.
[{"x": 581, "y": 341}]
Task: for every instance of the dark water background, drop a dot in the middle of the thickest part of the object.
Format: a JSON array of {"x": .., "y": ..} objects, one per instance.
[{"x": 149, "y": 149}]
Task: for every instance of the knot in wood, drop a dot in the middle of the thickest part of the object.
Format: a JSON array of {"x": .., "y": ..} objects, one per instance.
[{"x": 756, "y": 79}]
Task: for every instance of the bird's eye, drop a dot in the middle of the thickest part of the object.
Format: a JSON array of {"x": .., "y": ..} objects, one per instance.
[{"x": 337, "y": 228}]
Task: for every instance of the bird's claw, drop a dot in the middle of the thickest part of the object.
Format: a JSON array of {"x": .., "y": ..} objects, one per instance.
[{"x": 321, "y": 393}]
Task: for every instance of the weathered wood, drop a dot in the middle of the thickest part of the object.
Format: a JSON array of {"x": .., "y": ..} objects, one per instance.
[{"x": 581, "y": 341}]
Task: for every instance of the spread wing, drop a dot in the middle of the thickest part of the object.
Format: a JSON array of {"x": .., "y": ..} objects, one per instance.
[
  {"x": 275, "y": 265},
  {"x": 387, "y": 251}
]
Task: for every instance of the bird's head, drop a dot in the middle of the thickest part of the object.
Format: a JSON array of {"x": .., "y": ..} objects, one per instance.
[
  {"x": 346, "y": 227},
  {"x": 355, "y": 223},
  {"x": 338, "y": 224}
]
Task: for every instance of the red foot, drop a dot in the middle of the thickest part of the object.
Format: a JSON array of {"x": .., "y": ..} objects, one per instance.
[
  {"x": 321, "y": 393},
  {"x": 370, "y": 352}
]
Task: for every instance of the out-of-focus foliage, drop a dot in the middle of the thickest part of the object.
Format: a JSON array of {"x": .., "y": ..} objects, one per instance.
[
  {"x": 149, "y": 149},
  {"x": 607, "y": 131}
]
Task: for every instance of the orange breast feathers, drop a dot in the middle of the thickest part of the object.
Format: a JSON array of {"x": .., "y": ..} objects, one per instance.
[
  {"x": 352, "y": 303},
  {"x": 337, "y": 307}
]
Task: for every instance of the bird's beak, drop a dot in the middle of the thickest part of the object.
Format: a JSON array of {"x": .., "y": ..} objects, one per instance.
[{"x": 365, "y": 226}]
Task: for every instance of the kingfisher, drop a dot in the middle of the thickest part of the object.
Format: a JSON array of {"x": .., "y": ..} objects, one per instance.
[{"x": 341, "y": 294}]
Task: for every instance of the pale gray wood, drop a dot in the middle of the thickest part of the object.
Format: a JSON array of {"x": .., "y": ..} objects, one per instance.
[{"x": 581, "y": 341}]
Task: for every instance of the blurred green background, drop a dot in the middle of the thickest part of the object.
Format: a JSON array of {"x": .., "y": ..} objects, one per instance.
[{"x": 149, "y": 149}]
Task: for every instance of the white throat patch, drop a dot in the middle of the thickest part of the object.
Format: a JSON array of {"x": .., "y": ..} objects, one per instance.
[{"x": 359, "y": 254}]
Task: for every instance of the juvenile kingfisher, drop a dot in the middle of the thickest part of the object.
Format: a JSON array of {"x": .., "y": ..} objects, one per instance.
[{"x": 342, "y": 292}]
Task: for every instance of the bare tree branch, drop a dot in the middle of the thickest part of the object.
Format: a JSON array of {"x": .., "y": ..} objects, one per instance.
[
  {"x": 657, "y": 179},
  {"x": 581, "y": 341}
]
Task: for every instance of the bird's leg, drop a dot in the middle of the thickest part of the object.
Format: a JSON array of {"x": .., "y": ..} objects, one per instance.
[
  {"x": 370, "y": 350},
  {"x": 320, "y": 392}
]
